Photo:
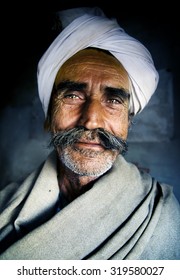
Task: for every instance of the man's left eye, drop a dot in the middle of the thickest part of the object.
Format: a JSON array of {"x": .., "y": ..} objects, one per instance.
[{"x": 114, "y": 101}]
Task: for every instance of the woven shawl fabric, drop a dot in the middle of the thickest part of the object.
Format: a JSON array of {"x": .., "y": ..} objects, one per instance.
[{"x": 125, "y": 215}]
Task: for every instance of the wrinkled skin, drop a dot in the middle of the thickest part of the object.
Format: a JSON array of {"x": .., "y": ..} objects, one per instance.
[{"x": 88, "y": 93}]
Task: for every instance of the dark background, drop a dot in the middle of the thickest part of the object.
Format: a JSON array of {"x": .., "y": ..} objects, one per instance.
[{"x": 26, "y": 32}]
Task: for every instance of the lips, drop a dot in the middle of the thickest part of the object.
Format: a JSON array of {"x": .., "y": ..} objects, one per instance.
[{"x": 86, "y": 144}]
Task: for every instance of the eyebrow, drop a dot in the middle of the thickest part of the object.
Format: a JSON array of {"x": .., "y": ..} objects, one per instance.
[
  {"x": 70, "y": 85},
  {"x": 77, "y": 86},
  {"x": 124, "y": 94}
]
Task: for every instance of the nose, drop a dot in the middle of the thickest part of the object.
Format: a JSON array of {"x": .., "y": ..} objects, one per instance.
[{"x": 92, "y": 115}]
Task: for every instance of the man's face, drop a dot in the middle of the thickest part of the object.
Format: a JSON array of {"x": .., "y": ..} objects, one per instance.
[{"x": 91, "y": 92}]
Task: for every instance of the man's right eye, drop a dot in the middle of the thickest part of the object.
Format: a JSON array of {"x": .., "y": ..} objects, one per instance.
[{"x": 71, "y": 96}]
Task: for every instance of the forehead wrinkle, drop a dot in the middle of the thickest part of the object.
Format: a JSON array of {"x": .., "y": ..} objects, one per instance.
[
  {"x": 78, "y": 71},
  {"x": 87, "y": 65},
  {"x": 85, "y": 59},
  {"x": 91, "y": 68}
]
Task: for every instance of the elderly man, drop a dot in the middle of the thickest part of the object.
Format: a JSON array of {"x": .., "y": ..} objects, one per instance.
[{"x": 86, "y": 201}]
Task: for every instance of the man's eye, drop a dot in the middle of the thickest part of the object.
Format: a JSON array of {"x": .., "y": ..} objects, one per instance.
[
  {"x": 73, "y": 99},
  {"x": 114, "y": 101},
  {"x": 71, "y": 96}
]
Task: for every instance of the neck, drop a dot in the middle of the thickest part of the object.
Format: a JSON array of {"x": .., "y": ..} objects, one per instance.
[{"x": 71, "y": 184}]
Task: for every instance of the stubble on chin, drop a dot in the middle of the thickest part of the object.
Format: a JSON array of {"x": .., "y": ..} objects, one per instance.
[{"x": 86, "y": 162}]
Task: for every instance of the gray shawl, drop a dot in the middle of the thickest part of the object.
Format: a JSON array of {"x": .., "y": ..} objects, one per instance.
[{"x": 127, "y": 214}]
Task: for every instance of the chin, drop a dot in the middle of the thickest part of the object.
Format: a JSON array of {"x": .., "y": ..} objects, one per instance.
[{"x": 86, "y": 163}]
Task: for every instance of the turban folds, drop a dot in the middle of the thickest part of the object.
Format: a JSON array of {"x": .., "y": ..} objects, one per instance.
[{"x": 94, "y": 29}]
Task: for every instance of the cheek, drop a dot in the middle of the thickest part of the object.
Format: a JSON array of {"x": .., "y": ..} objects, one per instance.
[
  {"x": 120, "y": 126},
  {"x": 64, "y": 117}
]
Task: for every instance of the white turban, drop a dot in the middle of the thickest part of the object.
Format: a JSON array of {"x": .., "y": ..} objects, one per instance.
[{"x": 94, "y": 29}]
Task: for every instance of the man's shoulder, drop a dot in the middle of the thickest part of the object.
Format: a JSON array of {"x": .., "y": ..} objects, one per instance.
[
  {"x": 14, "y": 190},
  {"x": 164, "y": 243}
]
